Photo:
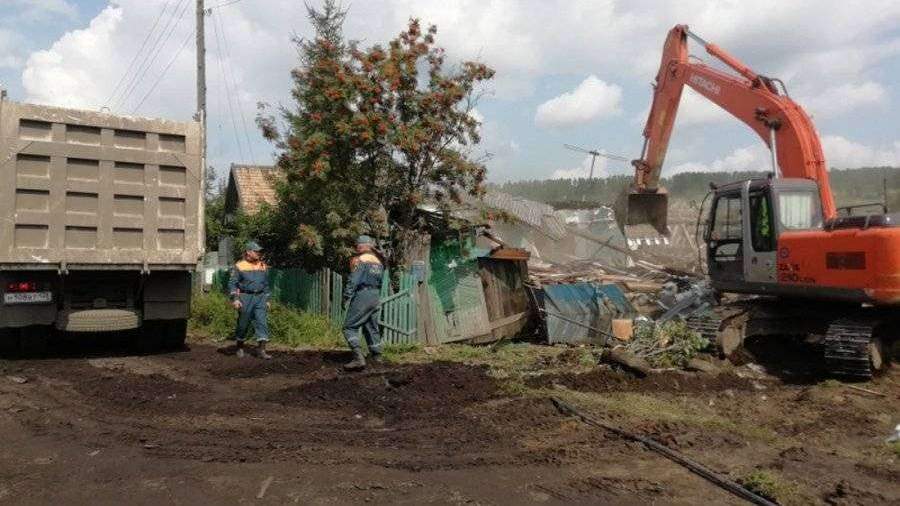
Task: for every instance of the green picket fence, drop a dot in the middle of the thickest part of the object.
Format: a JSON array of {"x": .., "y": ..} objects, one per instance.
[
  {"x": 321, "y": 293},
  {"x": 399, "y": 316}
]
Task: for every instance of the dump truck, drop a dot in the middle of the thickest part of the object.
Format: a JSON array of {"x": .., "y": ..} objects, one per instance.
[{"x": 102, "y": 225}]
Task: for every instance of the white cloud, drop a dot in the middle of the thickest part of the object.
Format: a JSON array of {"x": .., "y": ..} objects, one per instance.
[
  {"x": 69, "y": 73},
  {"x": 502, "y": 150},
  {"x": 755, "y": 157},
  {"x": 593, "y": 99},
  {"x": 10, "y": 44},
  {"x": 694, "y": 109},
  {"x": 842, "y": 153},
  {"x": 845, "y": 98},
  {"x": 584, "y": 169},
  {"x": 526, "y": 41}
]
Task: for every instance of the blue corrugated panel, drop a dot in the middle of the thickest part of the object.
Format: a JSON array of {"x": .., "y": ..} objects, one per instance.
[
  {"x": 590, "y": 304},
  {"x": 617, "y": 297}
]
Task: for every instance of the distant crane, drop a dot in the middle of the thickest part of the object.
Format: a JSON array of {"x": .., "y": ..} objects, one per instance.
[{"x": 594, "y": 154}]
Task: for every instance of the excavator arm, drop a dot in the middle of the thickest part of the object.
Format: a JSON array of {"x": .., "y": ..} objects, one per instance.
[{"x": 752, "y": 98}]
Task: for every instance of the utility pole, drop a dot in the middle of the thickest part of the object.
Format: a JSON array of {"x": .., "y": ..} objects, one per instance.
[
  {"x": 201, "y": 60},
  {"x": 201, "y": 113},
  {"x": 594, "y": 154}
]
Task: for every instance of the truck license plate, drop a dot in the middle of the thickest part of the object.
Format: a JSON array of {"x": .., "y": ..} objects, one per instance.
[{"x": 27, "y": 298}]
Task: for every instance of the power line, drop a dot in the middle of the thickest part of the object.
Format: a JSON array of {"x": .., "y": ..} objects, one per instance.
[
  {"x": 164, "y": 37},
  {"x": 132, "y": 82},
  {"x": 224, "y": 4},
  {"x": 219, "y": 51},
  {"x": 136, "y": 55},
  {"x": 166, "y": 69},
  {"x": 237, "y": 96}
]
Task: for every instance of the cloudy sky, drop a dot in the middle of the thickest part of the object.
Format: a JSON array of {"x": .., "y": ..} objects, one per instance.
[{"x": 568, "y": 71}]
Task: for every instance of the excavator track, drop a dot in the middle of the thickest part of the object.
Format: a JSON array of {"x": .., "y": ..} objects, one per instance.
[{"x": 852, "y": 350}]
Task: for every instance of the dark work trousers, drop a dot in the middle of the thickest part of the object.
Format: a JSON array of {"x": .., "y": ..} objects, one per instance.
[
  {"x": 253, "y": 310},
  {"x": 364, "y": 314}
]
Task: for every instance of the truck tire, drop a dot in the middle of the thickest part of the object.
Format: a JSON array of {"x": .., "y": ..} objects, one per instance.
[
  {"x": 98, "y": 320},
  {"x": 175, "y": 335}
]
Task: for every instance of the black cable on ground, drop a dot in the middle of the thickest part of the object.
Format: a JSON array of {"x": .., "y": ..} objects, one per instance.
[{"x": 694, "y": 467}]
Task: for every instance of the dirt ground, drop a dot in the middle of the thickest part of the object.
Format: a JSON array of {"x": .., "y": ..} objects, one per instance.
[{"x": 97, "y": 426}]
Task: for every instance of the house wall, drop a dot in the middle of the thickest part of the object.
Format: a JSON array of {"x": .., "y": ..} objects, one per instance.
[{"x": 505, "y": 296}]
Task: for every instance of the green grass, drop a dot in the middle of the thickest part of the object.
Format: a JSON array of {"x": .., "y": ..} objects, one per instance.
[
  {"x": 895, "y": 448},
  {"x": 509, "y": 363},
  {"x": 831, "y": 383},
  {"x": 212, "y": 317},
  {"x": 772, "y": 486},
  {"x": 647, "y": 407},
  {"x": 395, "y": 352}
]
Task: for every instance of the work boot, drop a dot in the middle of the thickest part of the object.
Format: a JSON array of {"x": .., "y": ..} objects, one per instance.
[
  {"x": 239, "y": 350},
  {"x": 261, "y": 351},
  {"x": 358, "y": 363},
  {"x": 377, "y": 358}
]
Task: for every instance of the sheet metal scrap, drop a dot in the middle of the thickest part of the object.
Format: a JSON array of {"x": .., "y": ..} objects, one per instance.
[
  {"x": 696, "y": 299},
  {"x": 582, "y": 312}
]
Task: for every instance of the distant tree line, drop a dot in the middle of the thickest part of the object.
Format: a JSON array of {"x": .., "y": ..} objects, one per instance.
[{"x": 850, "y": 186}]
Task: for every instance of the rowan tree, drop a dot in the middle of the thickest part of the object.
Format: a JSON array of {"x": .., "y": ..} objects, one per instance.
[{"x": 373, "y": 134}]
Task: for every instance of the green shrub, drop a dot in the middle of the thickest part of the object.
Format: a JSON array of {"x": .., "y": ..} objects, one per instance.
[
  {"x": 297, "y": 328},
  {"x": 671, "y": 344},
  {"x": 213, "y": 317}
]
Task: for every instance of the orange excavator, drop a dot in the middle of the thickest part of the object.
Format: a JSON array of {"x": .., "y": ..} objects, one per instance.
[{"x": 834, "y": 273}]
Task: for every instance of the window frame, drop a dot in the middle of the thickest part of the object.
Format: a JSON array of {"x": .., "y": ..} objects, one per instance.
[
  {"x": 713, "y": 229},
  {"x": 817, "y": 221},
  {"x": 766, "y": 197}
]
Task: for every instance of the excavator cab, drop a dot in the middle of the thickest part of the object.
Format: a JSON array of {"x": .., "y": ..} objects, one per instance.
[{"x": 744, "y": 222}]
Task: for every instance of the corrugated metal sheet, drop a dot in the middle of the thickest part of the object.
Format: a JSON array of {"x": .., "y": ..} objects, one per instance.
[
  {"x": 617, "y": 297},
  {"x": 535, "y": 214},
  {"x": 590, "y": 304},
  {"x": 458, "y": 310}
]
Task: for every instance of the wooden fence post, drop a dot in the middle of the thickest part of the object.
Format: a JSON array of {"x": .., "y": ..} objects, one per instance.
[
  {"x": 325, "y": 291},
  {"x": 421, "y": 251}
]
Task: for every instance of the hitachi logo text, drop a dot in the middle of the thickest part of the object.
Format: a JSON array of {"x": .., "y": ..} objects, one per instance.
[{"x": 706, "y": 84}]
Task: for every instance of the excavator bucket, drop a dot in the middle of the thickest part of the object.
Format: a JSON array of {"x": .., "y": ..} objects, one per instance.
[{"x": 643, "y": 217}]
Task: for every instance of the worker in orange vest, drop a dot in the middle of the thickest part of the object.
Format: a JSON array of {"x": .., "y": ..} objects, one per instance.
[
  {"x": 362, "y": 298},
  {"x": 249, "y": 290}
]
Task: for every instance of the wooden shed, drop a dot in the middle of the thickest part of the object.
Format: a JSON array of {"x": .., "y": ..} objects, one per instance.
[{"x": 503, "y": 278}]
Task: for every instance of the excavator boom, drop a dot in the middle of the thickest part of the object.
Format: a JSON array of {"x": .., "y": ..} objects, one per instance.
[{"x": 750, "y": 97}]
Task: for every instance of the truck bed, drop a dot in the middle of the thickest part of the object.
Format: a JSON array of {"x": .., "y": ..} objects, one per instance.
[{"x": 81, "y": 189}]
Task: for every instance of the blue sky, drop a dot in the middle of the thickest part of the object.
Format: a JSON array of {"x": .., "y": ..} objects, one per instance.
[{"x": 574, "y": 71}]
